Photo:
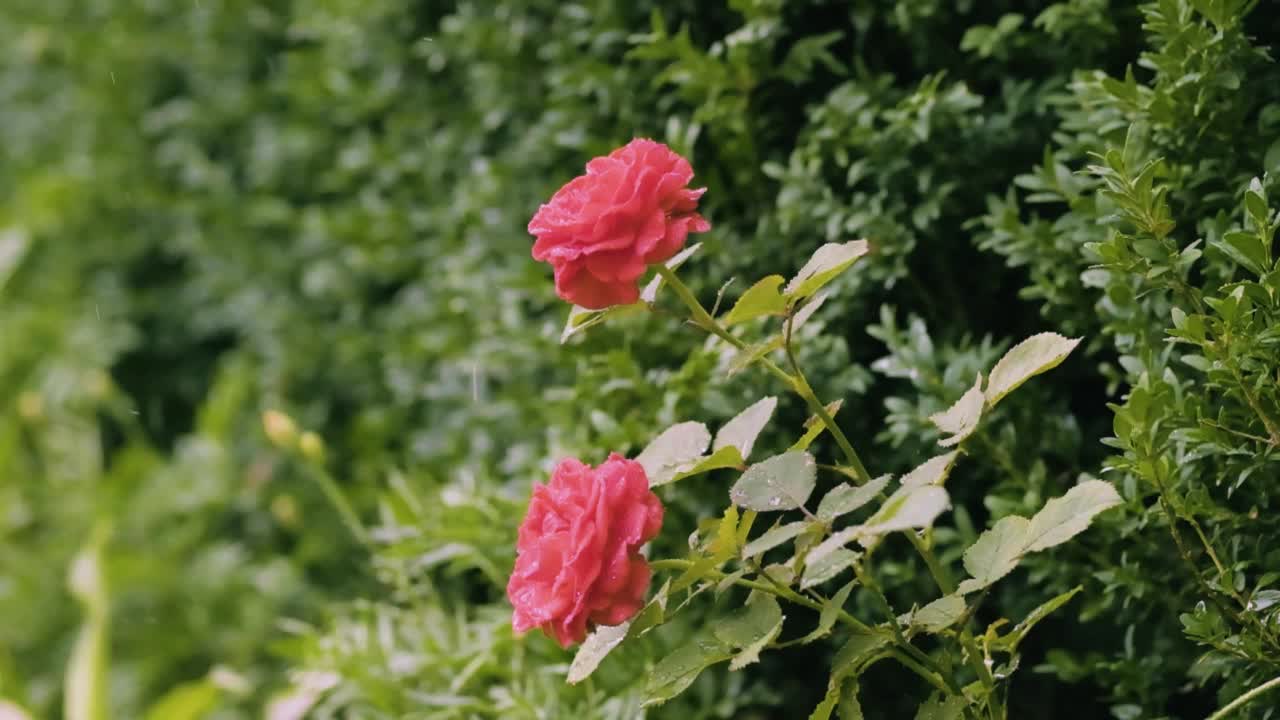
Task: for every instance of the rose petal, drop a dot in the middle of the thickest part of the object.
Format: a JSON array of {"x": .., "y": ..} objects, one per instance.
[
  {"x": 631, "y": 209},
  {"x": 577, "y": 554}
]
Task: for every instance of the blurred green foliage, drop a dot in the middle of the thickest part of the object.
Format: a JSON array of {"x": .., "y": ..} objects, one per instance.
[{"x": 217, "y": 207}]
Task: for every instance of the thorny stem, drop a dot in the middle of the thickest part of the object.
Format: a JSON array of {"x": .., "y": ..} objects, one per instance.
[
  {"x": 677, "y": 564},
  {"x": 868, "y": 580},
  {"x": 930, "y": 675},
  {"x": 800, "y": 385},
  {"x": 806, "y": 391},
  {"x": 772, "y": 587},
  {"x": 939, "y": 574},
  {"x": 703, "y": 319},
  {"x": 1245, "y": 699},
  {"x": 785, "y": 591}
]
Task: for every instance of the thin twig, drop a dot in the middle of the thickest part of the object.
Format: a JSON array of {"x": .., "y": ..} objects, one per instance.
[{"x": 1245, "y": 699}]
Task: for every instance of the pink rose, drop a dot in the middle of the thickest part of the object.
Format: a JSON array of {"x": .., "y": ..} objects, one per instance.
[
  {"x": 578, "y": 556},
  {"x": 631, "y": 210}
]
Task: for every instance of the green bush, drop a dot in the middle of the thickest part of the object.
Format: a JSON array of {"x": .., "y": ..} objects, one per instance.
[{"x": 217, "y": 208}]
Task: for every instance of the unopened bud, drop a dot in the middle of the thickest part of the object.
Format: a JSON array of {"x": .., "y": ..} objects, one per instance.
[
  {"x": 280, "y": 429},
  {"x": 311, "y": 446}
]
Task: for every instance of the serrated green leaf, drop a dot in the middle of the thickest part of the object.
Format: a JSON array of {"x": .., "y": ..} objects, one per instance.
[
  {"x": 1065, "y": 517},
  {"x": 751, "y": 653},
  {"x": 995, "y": 553},
  {"x": 727, "y": 457},
  {"x": 937, "y": 615},
  {"x": 850, "y": 708},
  {"x": 826, "y": 263},
  {"x": 1011, "y": 641},
  {"x": 938, "y": 708},
  {"x": 653, "y": 614},
  {"x": 1035, "y": 355},
  {"x": 857, "y": 653},
  {"x": 842, "y": 692},
  {"x": 805, "y": 313},
  {"x": 906, "y": 509},
  {"x": 845, "y": 498},
  {"x": 677, "y": 671},
  {"x": 594, "y": 649},
  {"x": 783, "y": 482},
  {"x": 745, "y": 525},
  {"x": 773, "y": 538},
  {"x": 726, "y": 545},
  {"x": 831, "y": 544},
  {"x": 829, "y": 702},
  {"x": 730, "y": 580},
  {"x": 814, "y": 427},
  {"x": 698, "y": 569},
  {"x": 828, "y": 566},
  {"x": 677, "y": 449},
  {"x": 741, "y": 432},
  {"x": 759, "y": 300},
  {"x": 933, "y": 471},
  {"x": 961, "y": 419},
  {"x": 782, "y": 574},
  {"x": 752, "y": 353},
  {"x": 751, "y": 629},
  {"x": 750, "y": 622},
  {"x": 830, "y": 613}
]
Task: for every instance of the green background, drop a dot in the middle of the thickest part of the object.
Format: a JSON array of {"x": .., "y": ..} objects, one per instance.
[{"x": 210, "y": 208}]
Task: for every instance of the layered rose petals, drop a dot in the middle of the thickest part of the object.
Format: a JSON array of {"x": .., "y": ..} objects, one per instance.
[
  {"x": 578, "y": 560},
  {"x": 602, "y": 230}
]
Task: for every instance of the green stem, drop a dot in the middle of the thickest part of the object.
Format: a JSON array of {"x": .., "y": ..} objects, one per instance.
[
  {"x": 868, "y": 581},
  {"x": 811, "y": 398},
  {"x": 977, "y": 659},
  {"x": 339, "y": 501},
  {"x": 800, "y": 385},
  {"x": 677, "y": 564},
  {"x": 941, "y": 577},
  {"x": 1245, "y": 699},
  {"x": 703, "y": 319},
  {"x": 933, "y": 677},
  {"x": 773, "y": 587}
]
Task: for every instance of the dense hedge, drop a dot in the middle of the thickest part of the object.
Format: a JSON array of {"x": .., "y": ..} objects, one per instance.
[{"x": 210, "y": 209}]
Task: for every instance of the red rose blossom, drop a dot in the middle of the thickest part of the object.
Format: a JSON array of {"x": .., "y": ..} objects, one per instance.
[
  {"x": 600, "y": 231},
  {"x": 578, "y": 556}
]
